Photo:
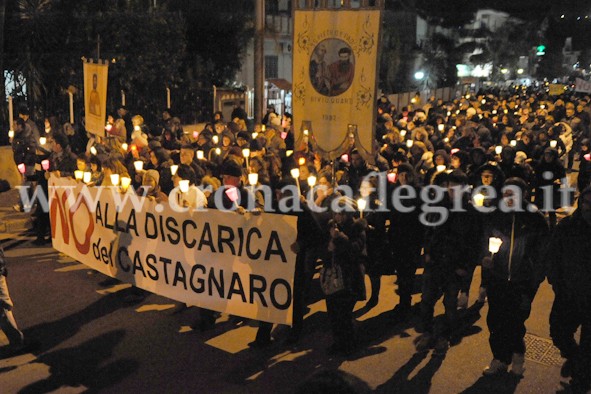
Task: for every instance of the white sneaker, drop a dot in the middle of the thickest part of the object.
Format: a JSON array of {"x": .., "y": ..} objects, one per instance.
[
  {"x": 463, "y": 301},
  {"x": 517, "y": 364},
  {"x": 496, "y": 367},
  {"x": 482, "y": 295}
]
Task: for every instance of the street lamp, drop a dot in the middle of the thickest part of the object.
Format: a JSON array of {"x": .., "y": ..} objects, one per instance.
[
  {"x": 419, "y": 75},
  {"x": 520, "y": 71}
]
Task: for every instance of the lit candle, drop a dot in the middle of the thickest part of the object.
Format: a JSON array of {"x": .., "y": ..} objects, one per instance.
[
  {"x": 441, "y": 127},
  {"x": 200, "y": 155},
  {"x": 288, "y": 153},
  {"x": 115, "y": 179},
  {"x": 311, "y": 180},
  {"x": 498, "y": 149},
  {"x": 478, "y": 199},
  {"x": 11, "y": 134},
  {"x": 125, "y": 182},
  {"x": 195, "y": 135},
  {"x": 246, "y": 154},
  {"x": 215, "y": 139},
  {"x": 184, "y": 185},
  {"x": 455, "y": 150},
  {"x": 553, "y": 144},
  {"x": 263, "y": 128},
  {"x": 253, "y": 178},
  {"x": 78, "y": 175},
  {"x": 139, "y": 165},
  {"x": 448, "y": 113},
  {"x": 124, "y": 146},
  {"x": 93, "y": 150},
  {"x": 409, "y": 143},
  {"x": 494, "y": 244},
  {"x": 440, "y": 168},
  {"x": 86, "y": 177},
  {"x": 218, "y": 151},
  {"x": 513, "y": 143},
  {"x": 483, "y": 101},
  {"x": 45, "y": 164},
  {"x": 295, "y": 173},
  {"x": 587, "y": 156},
  {"x": 361, "y": 203},
  {"x": 494, "y": 111},
  {"x": 255, "y": 135},
  {"x": 137, "y": 128},
  {"x": 232, "y": 194},
  {"x": 403, "y": 133},
  {"x": 306, "y": 132},
  {"x": 302, "y": 161},
  {"x": 42, "y": 140},
  {"x": 173, "y": 169},
  {"x": 345, "y": 158},
  {"x": 391, "y": 177},
  {"x": 21, "y": 168},
  {"x": 446, "y": 140}
]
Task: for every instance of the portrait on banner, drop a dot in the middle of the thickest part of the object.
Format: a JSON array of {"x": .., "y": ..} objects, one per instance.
[{"x": 332, "y": 67}]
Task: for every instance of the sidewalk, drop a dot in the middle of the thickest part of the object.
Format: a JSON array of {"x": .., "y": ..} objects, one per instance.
[{"x": 11, "y": 221}]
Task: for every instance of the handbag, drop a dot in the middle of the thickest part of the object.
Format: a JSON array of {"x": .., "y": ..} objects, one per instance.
[{"x": 331, "y": 279}]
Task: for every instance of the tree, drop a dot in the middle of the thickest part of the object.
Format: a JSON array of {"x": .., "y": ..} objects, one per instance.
[{"x": 48, "y": 38}]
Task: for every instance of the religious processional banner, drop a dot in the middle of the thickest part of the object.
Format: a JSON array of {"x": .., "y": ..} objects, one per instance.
[
  {"x": 582, "y": 86},
  {"x": 237, "y": 264},
  {"x": 334, "y": 74},
  {"x": 95, "y": 96}
]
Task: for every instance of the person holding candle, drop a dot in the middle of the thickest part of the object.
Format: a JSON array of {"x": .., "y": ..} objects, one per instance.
[
  {"x": 191, "y": 198},
  {"x": 311, "y": 245},
  {"x": 450, "y": 249},
  {"x": 187, "y": 156},
  {"x": 161, "y": 162},
  {"x": 549, "y": 173},
  {"x": 515, "y": 272},
  {"x": 490, "y": 176},
  {"x": 24, "y": 147},
  {"x": 406, "y": 237},
  {"x": 62, "y": 163},
  {"x": 569, "y": 275},
  {"x": 347, "y": 250},
  {"x": 96, "y": 170}
]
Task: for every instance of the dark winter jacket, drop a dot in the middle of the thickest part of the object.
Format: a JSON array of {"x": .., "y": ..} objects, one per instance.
[
  {"x": 568, "y": 261},
  {"x": 520, "y": 257}
]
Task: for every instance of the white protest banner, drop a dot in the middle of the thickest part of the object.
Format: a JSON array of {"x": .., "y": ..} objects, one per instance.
[
  {"x": 334, "y": 74},
  {"x": 237, "y": 264},
  {"x": 582, "y": 86}
]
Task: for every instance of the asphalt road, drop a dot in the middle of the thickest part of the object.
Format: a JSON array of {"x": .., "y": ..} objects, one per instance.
[{"x": 92, "y": 340}]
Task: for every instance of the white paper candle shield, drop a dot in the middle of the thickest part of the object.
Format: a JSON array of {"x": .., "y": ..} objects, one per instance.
[
  {"x": 115, "y": 179},
  {"x": 494, "y": 244}
]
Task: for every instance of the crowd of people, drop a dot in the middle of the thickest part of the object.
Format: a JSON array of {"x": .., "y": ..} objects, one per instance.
[{"x": 522, "y": 145}]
